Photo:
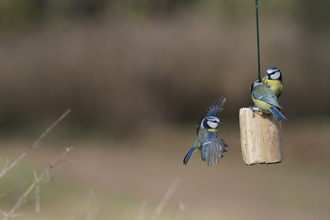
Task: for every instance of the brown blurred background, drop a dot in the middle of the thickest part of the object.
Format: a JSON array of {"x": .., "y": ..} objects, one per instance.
[{"x": 137, "y": 75}]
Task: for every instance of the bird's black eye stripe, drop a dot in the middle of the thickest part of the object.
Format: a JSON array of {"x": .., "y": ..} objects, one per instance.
[{"x": 272, "y": 73}]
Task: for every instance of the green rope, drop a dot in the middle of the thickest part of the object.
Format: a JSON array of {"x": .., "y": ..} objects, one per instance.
[{"x": 258, "y": 46}]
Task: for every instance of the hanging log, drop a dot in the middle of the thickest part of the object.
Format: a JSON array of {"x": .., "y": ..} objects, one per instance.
[{"x": 261, "y": 138}]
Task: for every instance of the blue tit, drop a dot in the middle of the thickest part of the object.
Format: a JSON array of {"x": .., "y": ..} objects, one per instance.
[
  {"x": 273, "y": 80},
  {"x": 265, "y": 99},
  {"x": 211, "y": 146}
]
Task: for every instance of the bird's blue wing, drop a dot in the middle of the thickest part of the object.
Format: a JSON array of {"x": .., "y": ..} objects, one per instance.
[
  {"x": 270, "y": 99},
  {"x": 212, "y": 149},
  {"x": 213, "y": 110}
]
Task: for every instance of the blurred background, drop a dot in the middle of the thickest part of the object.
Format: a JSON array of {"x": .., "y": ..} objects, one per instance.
[{"x": 138, "y": 75}]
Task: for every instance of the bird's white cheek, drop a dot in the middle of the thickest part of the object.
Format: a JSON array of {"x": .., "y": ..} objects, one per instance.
[
  {"x": 275, "y": 75},
  {"x": 212, "y": 124}
]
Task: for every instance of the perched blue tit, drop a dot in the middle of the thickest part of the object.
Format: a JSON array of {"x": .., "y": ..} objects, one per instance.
[
  {"x": 273, "y": 80},
  {"x": 211, "y": 146},
  {"x": 265, "y": 99}
]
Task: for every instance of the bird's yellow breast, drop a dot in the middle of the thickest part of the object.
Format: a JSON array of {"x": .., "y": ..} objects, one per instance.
[
  {"x": 275, "y": 85},
  {"x": 264, "y": 106}
]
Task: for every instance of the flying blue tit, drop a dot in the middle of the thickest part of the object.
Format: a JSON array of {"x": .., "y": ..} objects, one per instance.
[
  {"x": 211, "y": 146},
  {"x": 273, "y": 80},
  {"x": 265, "y": 99}
]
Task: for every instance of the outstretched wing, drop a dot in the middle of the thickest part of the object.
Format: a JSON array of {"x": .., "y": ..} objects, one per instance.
[
  {"x": 213, "y": 110},
  {"x": 212, "y": 149}
]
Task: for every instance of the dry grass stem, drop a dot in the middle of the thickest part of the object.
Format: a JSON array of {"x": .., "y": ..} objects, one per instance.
[
  {"x": 62, "y": 158},
  {"x": 4, "y": 193},
  {"x": 14, "y": 215},
  {"x": 99, "y": 214},
  {"x": 85, "y": 215},
  {"x": 179, "y": 208},
  {"x": 165, "y": 199},
  {"x": 182, "y": 207},
  {"x": 34, "y": 145},
  {"x": 37, "y": 195},
  {"x": 142, "y": 209}
]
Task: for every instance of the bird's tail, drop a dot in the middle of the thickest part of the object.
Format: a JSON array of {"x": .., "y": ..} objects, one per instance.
[
  {"x": 278, "y": 115},
  {"x": 188, "y": 155}
]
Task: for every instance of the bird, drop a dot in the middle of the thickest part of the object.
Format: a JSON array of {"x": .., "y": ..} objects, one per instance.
[
  {"x": 211, "y": 146},
  {"x": 265, "y": 99},
  {"x": 273, "y": 80}
]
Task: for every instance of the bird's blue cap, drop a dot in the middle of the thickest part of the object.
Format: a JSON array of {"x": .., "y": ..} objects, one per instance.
[{"x": 272, "y": 69}]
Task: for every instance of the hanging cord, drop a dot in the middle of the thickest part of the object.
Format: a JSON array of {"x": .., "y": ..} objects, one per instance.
[{"x": 258, "y": 46}]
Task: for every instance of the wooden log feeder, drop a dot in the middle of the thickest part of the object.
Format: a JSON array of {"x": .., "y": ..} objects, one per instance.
[{"x": 261, "y": 138}]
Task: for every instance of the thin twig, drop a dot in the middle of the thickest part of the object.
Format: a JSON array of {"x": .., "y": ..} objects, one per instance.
[
  {"x": 165, "y": 199},
  {"x": 60, "y": 159},
  {"x": 34, "y": 145}
]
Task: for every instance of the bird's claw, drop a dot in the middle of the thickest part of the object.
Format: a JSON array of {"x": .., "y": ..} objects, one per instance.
[{"x": 254, "y": 110}]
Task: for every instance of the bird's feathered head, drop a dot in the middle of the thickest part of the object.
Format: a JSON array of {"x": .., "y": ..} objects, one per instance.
[{"x": 274, "y": 73}]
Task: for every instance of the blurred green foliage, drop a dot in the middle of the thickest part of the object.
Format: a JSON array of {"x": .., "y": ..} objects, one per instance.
[
  {"x": 120, "y": 64},
  {"x": 22, "y": 14}
]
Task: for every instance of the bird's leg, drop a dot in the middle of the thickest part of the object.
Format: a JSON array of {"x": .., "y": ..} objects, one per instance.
[
  {"x": 254, "y": 110},
  {"x": 251, "y": 108}
]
